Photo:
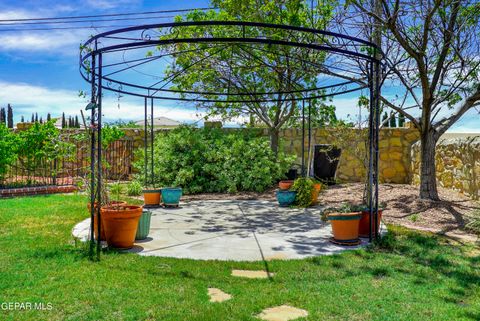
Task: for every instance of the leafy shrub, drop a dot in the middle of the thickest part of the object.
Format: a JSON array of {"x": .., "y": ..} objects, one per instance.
[
  {"x": 8, "y": 149},
  {"x": 212, "y": 160},
  {"x": 134, "y": 188},
  {"x": 304, "y": 188}
]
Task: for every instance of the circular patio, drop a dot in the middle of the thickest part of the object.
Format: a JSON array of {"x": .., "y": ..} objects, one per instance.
[{"x": 249, "y": 230}]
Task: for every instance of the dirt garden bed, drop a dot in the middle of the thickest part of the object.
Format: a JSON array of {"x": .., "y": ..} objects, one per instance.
[{"x": 403, "y": 206}]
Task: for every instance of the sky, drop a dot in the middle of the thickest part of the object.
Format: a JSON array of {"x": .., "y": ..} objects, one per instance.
[{"x": 39, "y": 69}]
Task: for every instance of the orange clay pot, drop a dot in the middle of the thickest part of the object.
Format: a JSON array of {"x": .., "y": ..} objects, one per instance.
[
  {"x": 151, "y": 196},
  {"x": 121, "y": 224},
  {"x": 345, "y": 225},
  {"x": 95, "y": 226},
  {"x": 316, "y": 191},
  {"x": 284, "y": 185},
  {"x": 363, "y": 229}
]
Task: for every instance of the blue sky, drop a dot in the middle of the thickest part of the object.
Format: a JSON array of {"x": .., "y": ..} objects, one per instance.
[{"x": 39, "y": 70}]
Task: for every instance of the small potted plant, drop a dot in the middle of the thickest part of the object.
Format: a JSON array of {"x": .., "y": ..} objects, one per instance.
[
  {"x": 120, "y": 223},
  {"x": 285, "y": 184},
  {"x": 143, "y": 228},
  {"x": 345, "y": 222},
  {"x": 151, "y": 196},
  {"x": 285, "y": 197},
  {"x": 363, "y": 228},
  {"x": 171, "y": 196},
  {"x": 317, "y": 187},
  {"x": 304, "y": 186}
]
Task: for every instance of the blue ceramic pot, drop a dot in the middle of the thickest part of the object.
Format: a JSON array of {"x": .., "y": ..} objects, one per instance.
[
  {"x": 171, "y": 195},
  {"x": 143, "y": 228},
  {"x": 286, "y": 197}
]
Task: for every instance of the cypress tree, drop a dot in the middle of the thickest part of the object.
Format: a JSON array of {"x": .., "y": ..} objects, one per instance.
[
  {"x": 10, "y": 117},
  {"x": 77, "y": 124},
  {"x": 36, "y": 117},
  {"x": 49, "y": 117},
  {"x": 22, "y": 119},
  {"x": 384, "y": 120},
  {"x": 401, "y": 120},
  {"x": 393, "y": 120},
  {"x": 3, "y": 117},
  {"x": 33, "y": 118},
  {"x": 41, "y": 120},
  {"x": 64, "y": 123}
]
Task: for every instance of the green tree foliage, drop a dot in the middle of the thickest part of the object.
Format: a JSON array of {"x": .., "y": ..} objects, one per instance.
[
  {"x": 212, "y": 160},
  {"x": 385, "y": 119},
  {"x": 8, "y": 149},
  {"x": 393, "y": 120},
  {"x": 10, "y": 116},
  {"x": 3, "y": 116},
  {"x": 401, "y": 120},
  {"x": 248, "y": 69}
]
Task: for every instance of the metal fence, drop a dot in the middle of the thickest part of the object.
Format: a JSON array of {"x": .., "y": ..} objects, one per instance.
[{"x": 69, "y": 169}]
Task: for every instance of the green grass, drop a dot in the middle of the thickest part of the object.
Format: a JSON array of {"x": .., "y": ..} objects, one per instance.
[{"x": 410, "y": 276}]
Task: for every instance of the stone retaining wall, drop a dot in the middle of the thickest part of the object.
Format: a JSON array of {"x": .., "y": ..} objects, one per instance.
[
  {"x": 457, "y": 164},
  {"x": 394, "y": 144}
]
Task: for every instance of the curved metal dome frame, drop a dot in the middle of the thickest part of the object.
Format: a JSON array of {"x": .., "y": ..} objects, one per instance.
[{"x": 98, "y": 47}]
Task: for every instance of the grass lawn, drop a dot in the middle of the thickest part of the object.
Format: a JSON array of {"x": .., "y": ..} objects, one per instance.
[{"x": 410, "y": 276}]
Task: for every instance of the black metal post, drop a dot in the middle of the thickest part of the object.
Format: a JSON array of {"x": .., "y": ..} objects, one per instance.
[
  {"x": 151, "y": 142},
  {"x": 309, "y": 135},
  {"x": 370, "y": 149},
  {"x": 303, "y": 138},
  {"x": 92, "y": 160},
  {"x": 377, "y": 134},
  {"x": 145, "y": 143},
  {"x": 99, "y": 155}
]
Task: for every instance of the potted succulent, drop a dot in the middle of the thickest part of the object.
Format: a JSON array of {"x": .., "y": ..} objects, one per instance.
[
  {"x": 304, "y": 186},
  {"x": 151, "y": 196},
  {"x": 363, "y": 228},
  {"x": 285, "y": 197},
  {"x": 143, "y": 228},
  {"x": 345, "y": 221},
  {"x": 171, "y": 196}
]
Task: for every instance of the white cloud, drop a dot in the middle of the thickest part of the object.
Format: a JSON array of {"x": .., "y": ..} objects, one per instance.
[
  {"x": 27, "y": 99},
  {"x": 111, "y": 4}
]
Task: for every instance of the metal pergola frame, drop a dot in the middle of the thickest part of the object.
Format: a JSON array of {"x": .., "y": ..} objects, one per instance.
[{"x": 98, "y": 47}]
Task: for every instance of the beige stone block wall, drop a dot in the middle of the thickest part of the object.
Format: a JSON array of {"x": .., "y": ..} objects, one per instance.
[{"x": 458, "y": 165}]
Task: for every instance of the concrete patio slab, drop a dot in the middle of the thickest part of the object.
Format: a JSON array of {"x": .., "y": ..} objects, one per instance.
[{"x": 249, "y": 230}]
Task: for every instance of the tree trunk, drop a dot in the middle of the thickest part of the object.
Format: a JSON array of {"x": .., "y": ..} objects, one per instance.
[
  {"x": 274, "y": 139},
  {"x": 428, "y": 181}
]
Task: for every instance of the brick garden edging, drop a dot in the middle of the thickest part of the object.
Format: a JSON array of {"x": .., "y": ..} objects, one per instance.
[{"x": 38, "y": 190}]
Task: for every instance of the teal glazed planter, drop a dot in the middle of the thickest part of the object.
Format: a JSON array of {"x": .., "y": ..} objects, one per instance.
[
  {"x": 171, "y": 196},
  {"x": 286, "y": 197},
  {"x": 143, "y": 228}
]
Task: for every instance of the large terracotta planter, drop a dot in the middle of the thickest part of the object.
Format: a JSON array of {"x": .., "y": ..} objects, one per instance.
[
  {"x": 95, "y": 219},
  {"x": 363, "y": 229},
  {"x": 143, "y": 228},
  {"x": 171, "y": 196},
  {"x": 316, "y": 191},
  {"x": 152, "y": 197},
  {"x": 284, "y": 185},
  {"x": 345, "y": 226},
  {"x": 285, "y": 197},
  {"x": 120, "y": 223}
]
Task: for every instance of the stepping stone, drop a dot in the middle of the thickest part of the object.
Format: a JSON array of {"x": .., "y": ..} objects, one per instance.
[
  {"x": 252, "y": 274},
  {"x": 278, "y": 256},
  {"x": 282, "y": 313},
  {"x": 217, "y": 295}
]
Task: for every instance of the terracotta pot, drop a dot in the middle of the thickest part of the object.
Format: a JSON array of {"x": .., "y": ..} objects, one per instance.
[
  {"x": 152, "y": 196},
  {"x": 316, "y": 191},
  {"x": 102, "y": 230},
  {"x": 363, "y": 229},
  {"x": 121, "y": 224},
  {"x": 345, "y": 226},
  {"x": 284, "y": 185}
]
